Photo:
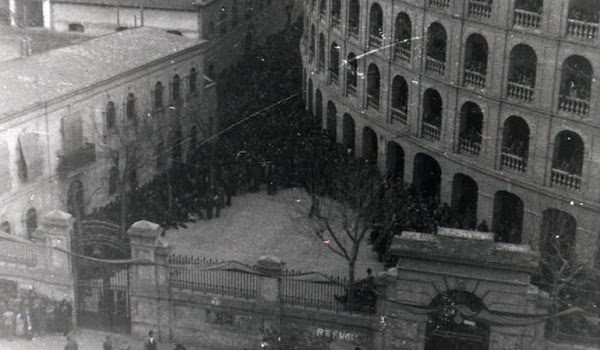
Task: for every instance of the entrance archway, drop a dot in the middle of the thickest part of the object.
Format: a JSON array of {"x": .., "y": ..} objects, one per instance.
[
  {"x": 464, "y": 200},
  {"x": 395, "y": 161},
  {"x": 427, "y": 176},
  {"x": 369, "y": 145},
  {"x": 448, "y": 330},
  {"x": 508, "y": 217}
]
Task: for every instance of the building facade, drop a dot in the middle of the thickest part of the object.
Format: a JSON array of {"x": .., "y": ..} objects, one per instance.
[
  {"x": 489, "y": 106},
  {"x": 75, "y": 119},
  {"x": 230, "y": 27}
]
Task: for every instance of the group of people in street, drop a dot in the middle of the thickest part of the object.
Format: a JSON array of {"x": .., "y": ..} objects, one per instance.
[{"x": 27, "y": 314}]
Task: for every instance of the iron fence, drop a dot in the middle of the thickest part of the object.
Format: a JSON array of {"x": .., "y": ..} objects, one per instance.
[
  {"x": 195, "y": 274},
  {"x": 22, "y": 253}
]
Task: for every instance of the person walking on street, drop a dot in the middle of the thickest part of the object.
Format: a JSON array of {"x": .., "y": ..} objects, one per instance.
[{"x": 150, "y": 343}]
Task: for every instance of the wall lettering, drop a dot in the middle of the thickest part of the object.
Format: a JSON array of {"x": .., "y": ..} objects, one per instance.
[{"x": 335, "y": 334}]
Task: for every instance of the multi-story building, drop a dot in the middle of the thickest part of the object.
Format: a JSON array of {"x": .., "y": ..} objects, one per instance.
[
  {"x": 489, "y": 106},
  {"x": 229, "y": 26},
  {"x": 77, "y": 120}
]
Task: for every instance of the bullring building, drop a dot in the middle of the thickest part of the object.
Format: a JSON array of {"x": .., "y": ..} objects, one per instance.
[{"x": 491, "y": 106}]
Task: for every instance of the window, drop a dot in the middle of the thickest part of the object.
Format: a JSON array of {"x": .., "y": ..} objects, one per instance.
[
  {"x": 376, "y": 26},
  {"x": 336, "y": 10},
  {"x": 476, "y": 57},
  {"x": 31, "y": 223},
  {"x": 334, "y": 63},
  {"x": 353, "y": 18},
  {"x": 131, "y": 112},
  {"x": 522, "y": 73},
  {"x": 158, "y": 96},
  {"x": 403, "y": 33},
  {"x": 432, "y": 115},
  {"x": 436, "y": 49},
  {"x": 321, "y": 52},
  {"x": 567, "y": 161},
  {"x": 176, "y": 90},
  {"x": 515, "y": 144},
  {"x": 351, "y": 75},
  {"x": 193, "y": 81},
  {"x": 31, "y": 157},
  {"x": 576, "y": 86},
  {"x": 110, "y": 115},
  {"x": 373, "y": 86},
  {"x": 113, "y": 178}
]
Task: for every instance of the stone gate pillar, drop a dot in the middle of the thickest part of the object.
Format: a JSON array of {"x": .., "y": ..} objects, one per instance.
[
  {"x": 148, "y": 281},
  {"x": 268, "y": 291}
]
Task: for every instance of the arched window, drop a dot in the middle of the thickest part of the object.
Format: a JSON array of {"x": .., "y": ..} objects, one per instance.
[
  {"x": 582, "y": 21},
  {"x": 436, "y": 49},
  {"x": 110, "y": 115},
  {"x": 427, "y": 176},
  {"x": 319, "y": 104},
  {"x": 321, "y": 52},
  {"x": 323, "y": 8},
  {"x": 332, "y": 121},
  {"x": 176, "y": 90},
  {"x": 464, "y": 201},
  {"x": 515, "y": 144},
  {"x": 31, "y": 222},
  {"x": 507, "y": 223},
  {"x": 223, "y": 21},
  {"x": 476, "y": 58},
  {"x": 395, "y": 162},
  {"x": 336, "y": 10},
  {"x": 399, "y": 100},
  {"x": 370, "y": 148},
  {"x": 351, "y": 75},
  {"x": 334, "y": 63},
  {"x": 113, "y": 179},
  {"x": 131, "y": 112},
  {"x": 403, "y": 34},
  {"x": 576, "y": 86},
  {"x": 193, "y": 81},
  {"x": 373, "y": 86},
  {"x": 348, "y": 134},
  {"x": 158, "y": 96},
  {"x": 353, "y": 18},
  {"x": 567, "y": 161},
  {"x": 522, "y": 73},
  {"x": 311, "y": 44},
  {"x": 432, "y": 115},
  {"x": 375, "y": 26},
  {"x": 471, "y": 125}
]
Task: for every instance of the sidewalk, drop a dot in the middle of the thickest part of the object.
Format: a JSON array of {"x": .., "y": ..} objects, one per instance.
[{"x": 87, "y": 340}]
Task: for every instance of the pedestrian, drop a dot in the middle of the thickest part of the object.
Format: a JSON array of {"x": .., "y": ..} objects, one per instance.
[
  {"x": 107, "y": 345},
  {"x": 219, "y": 200},
  {"x": 66, "y": 310},
  {"x": 71, "y": 343},
  {"x": 150, "y": 343}
]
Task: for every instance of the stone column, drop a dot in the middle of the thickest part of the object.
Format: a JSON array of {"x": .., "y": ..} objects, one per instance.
[
  {"x": 267, "y": 300},
  {"x": 149, "y": 288}
]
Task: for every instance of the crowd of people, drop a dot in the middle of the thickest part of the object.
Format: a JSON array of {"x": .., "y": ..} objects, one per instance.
[{"x": 27, "y": 314}]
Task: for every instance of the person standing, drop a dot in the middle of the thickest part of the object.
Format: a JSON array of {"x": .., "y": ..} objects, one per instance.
[
  {"x": 107, "y": 345},
  {"x": 150, "y": 343},
  {"x": 71, "y": 343}
]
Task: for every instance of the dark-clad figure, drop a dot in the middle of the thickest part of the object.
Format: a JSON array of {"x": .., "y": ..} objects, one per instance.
[
  {"x": 107, "y": 345},
  {"x": 66, "y": 310},
  {"x": 71, "y": 343},
  {"x": 150, "y": 343}
]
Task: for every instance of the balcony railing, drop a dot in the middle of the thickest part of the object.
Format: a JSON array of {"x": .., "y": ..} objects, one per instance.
[
  {"x": 513, "y": 162},
  {"x": 480, "y": 9},
  {"x": 467, "y": 146},
  {"x": 402, "y": 52},
  {"x": 353, "y": 31},
  {"x": 521, "y": 92},
  {"x": 399, "y": 115},
  {"x": 77, "y": 159},
  {"x": 431, "y": 131},
  {"x": 573, "y": 105},
  {"x": 335, "y": 20},
  {"x": 439, "y": 3},
  {"x": 334, "y": 78},
  {"x": 565, "y": 179},
  {"x": 373, "y": 101},
  {"x": 351, "y": 90},
  {"x": 375, "y": 40},
  {"x": 581, "y": 29},
  {"x": 527, "y": 19},
  {"x": 433, "y": 65},
  {"x": 321, "y": 65},
  {"x": 474, "y": 78}
]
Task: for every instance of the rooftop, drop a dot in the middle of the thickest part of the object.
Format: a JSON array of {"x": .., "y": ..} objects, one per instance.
[
  {"x": 49, "y": 75},
  {"x": 184, "y": 5}
]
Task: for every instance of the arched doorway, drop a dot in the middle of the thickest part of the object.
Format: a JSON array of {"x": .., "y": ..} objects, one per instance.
[
  {"x": 348, "y": 133},
  {"x": 447, "y": 329},
  {"x": 369, "y": 145},
  {"x": 395, "y": 161},
  {"x": 332, "y": 121},
  {"x": 464, "y": 200},
  {"x": 507, "y": 223},
  {"x": 427, "y": 176}
]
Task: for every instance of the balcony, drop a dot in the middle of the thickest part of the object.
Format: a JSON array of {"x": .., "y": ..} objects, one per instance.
[
  {"x": 335, "y": 21},
  {"x": 321, "y": 65},
  {"x": 527, "y": 19},
  {"x": 353, "y": 31},
  {"x": 474, "y": 78},
  {"x": 439, "y": 3},
  {"x": 375, "y": 41},
  {"x": 573, "y": 105},
  {"x": 402, "y": 52},
  {"x": 399, "y": 116},
  {"x": 433, "y": 65},
  {"x": 466, "y": 146},
  {"x": 513, "y": 162},
  {"x": 520, "y": 92},
  {"x": 582, "y": 30},
  {"x": 334, "y": 78},
  {"x": 351, "y": 90},
  {"x": 77, "y": 159},
  {"x": 565, "y": 180},
  {"x": 373, "y": 102},
  {"x": 480, "y": 9},
  {"x": 431, "y": 132}
]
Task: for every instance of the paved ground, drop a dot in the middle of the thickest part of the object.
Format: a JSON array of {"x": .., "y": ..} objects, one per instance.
[
  {"x": 87, "y": 340},
  {"x": 259, "y": 224}
]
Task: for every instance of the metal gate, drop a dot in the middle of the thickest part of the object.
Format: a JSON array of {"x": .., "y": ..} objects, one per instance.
[{"x": 103, "y": 298}]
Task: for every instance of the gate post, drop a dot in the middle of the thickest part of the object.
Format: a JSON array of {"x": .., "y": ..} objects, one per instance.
[
  {"x": 268, "y": 298},
  {"x": 149, "y": 288}
]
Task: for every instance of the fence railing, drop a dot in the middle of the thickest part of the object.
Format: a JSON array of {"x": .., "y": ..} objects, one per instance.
[
  {"x": 21, "y": 253},
  {"x": 513, "y": 162},
  {"x": 433, "y": 65},
  {"x": 582, "y": 29},
  {"x": 565, "y": 179},
  {"x": 521, "y": 92},
  {"x": 573, "y": 105},
  {"x": 431, "y": 132},
  {"x": 191, "y": 273},
  {"x": 474, "y": 78}
]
